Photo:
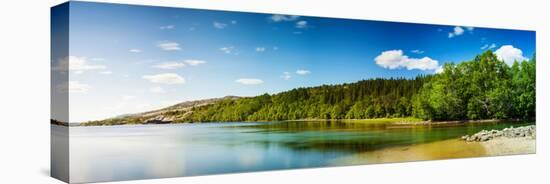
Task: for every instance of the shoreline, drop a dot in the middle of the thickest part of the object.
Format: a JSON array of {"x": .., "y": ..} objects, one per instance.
[
  {"x": 411, "y": 121},
  {"x": 445, "y": 149},
  {"x": 373, "y": 120},
  {"x": 429, "y": 122}
]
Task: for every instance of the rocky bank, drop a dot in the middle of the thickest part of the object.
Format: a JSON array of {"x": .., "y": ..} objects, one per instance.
[{"x": 486, "y": 135}]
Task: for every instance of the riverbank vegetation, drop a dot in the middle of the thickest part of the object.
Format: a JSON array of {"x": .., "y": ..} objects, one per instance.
[{"x": 483, "y": 88}]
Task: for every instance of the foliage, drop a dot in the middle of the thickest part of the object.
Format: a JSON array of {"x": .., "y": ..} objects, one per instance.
[
  {"x": 484, "y": 88},
  {"x": 374, "y": 98}
]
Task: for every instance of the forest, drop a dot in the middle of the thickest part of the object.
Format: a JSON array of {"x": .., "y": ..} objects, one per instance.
[{"x": 483, "y": 88}]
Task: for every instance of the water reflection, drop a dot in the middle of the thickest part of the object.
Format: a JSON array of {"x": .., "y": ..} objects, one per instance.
[
  {"x": 360, "y": 137},
  {"x": 155, "y": 151}
]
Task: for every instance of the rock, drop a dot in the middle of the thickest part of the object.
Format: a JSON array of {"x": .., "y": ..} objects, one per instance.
[
  {"x": 485, "y": 138},
  {"x": 160, "y": 119},
  {"x": 485, "y": 135},
  {"x": 155, "y": 121}
]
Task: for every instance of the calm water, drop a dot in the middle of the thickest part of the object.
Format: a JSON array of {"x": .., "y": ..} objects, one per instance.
[{"x": 154, "y": 151}]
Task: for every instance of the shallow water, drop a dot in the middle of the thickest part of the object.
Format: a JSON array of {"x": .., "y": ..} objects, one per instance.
[{"x": 107, "y": 153}]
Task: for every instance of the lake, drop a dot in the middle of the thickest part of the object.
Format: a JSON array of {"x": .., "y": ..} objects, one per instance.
[{"x": 107, "y": 153}]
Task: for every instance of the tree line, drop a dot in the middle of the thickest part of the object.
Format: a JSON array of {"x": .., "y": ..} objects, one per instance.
[
  {"x": 374, "y": 98},
  {"x": 483, "y": 88}
]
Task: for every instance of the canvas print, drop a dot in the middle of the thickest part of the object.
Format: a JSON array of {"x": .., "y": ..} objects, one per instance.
[{"x": 142, "y": 92}]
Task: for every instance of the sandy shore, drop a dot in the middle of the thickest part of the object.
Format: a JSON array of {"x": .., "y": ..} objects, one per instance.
[
  {"x": 447, "y": 149},
  {"x": 510, "y": 146}
]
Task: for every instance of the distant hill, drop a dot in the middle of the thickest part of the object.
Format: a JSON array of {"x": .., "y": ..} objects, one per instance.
[{"x": 160, "y": 116}]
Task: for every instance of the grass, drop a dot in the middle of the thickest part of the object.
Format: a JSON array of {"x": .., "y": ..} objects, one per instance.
[{"x": 372, "y": 121}]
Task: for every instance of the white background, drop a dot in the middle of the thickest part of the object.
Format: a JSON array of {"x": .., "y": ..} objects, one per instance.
[{"x": 24, "y": 89}]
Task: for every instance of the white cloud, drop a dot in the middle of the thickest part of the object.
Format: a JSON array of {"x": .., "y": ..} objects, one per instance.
[
  {"x": 417, "y": 51},
  {"x": 487, "y": 46},
  {"x": 233, "y": 22},
  {"x": 302, "y": 72},
  {"x": 73, "y": 87},
  {"x": 81, "y": 64},
  {"x": 219, "y": 25},
  {"x": 509, "y": 54},
  {"x": 169, "y": 46},
  {"x": 301, "y": 24},
  {"x": 167, "y": 27},
  {"x": 76, "y": 64},
  {"x": 286, "y": 75},
  {"x": 227, "y": 50},
  {"x": 157, "y": 89},
  {"x": 135, "y": 50},
  {"x": 260, "y": 49},
  {"x": 394, "y": 59},
  {"x": 249, "y": 81},
  {"x": 457, "y": 31},
  {"x": 169, "y": 65},
  {"x": 176, "y": 65},
  {"x": 279, "y": 18},
  {"x": 165, "y": 78},
  {"x": 194, "y": 62}
]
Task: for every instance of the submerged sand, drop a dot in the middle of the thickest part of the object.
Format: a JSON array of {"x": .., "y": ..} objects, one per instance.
[{"x": 447, "y": 149}]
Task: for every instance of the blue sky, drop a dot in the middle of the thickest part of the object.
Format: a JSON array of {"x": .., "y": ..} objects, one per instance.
[{"x": 127, "y": 59}]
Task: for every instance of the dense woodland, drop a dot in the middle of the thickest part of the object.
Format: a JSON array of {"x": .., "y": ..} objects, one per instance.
[
  {"x": 364, "y": 99},
  {"x": 484, "y": 88}
]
